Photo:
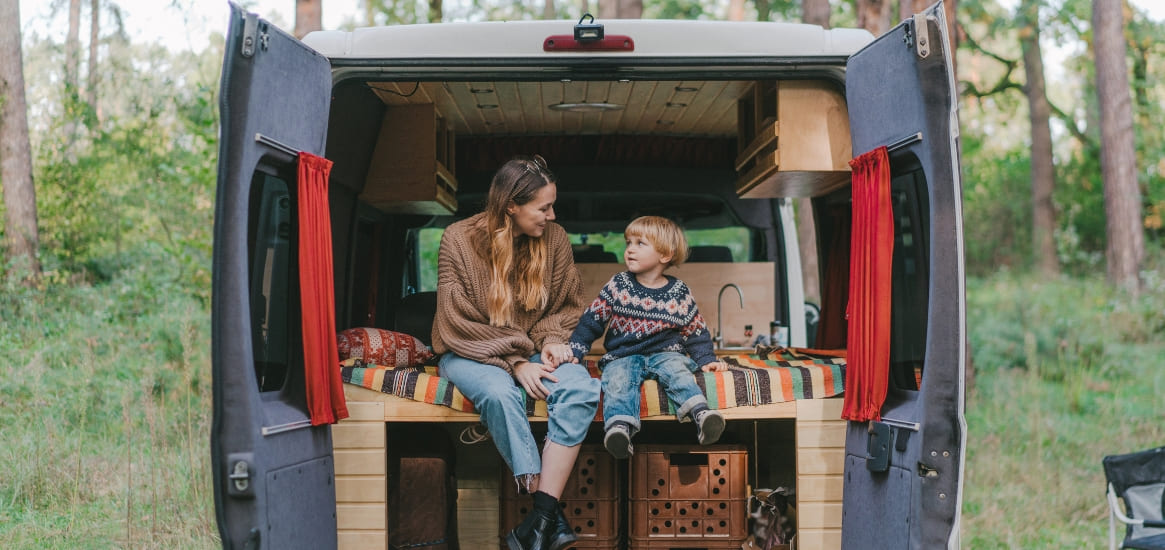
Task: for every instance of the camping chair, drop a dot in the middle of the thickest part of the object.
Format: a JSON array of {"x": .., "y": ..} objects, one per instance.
[{"x": 1139, "y": 480}]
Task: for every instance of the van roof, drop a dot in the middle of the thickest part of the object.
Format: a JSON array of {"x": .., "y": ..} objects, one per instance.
[{"x": 652, "y": 38}]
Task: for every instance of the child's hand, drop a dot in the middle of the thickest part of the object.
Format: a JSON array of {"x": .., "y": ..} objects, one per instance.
[{"x": 715, "y": 366}]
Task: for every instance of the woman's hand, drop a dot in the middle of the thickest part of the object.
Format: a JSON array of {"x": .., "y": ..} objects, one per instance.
[
  {"x": 557, "y": 354},
  {"x": 715, "y": 366},
  {"x": 530, "y": 375}
]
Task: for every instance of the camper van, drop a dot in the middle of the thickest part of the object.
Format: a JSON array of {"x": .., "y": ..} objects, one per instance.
[{"x": 720, "y": 126}]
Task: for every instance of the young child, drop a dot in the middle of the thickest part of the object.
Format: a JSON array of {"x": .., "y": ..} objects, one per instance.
[{"x": 651, "y": 321}]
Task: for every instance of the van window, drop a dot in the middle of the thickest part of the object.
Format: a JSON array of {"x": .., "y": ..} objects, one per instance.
[
  {"x": 738, "y": 240},
  {"x": 271, "y": 286},
  {"x": 428, "y": 241},
  {"x": 909, "y": 276}
]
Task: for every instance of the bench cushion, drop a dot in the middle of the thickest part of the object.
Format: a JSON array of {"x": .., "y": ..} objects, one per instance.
[{"x": 771, "y": 375}]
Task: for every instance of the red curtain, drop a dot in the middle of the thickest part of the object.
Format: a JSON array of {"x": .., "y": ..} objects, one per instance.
[
  {"x": 325, "y": 393},
  {"x": 868, "y": 313}
]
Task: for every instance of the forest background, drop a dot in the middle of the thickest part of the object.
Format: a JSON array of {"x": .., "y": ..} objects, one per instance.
[{"x": 104, "y": 316}]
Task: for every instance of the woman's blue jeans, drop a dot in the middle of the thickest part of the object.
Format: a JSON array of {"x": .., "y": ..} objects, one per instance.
[
  {"x": 495, "y": 394},
  {"x": 622, "y": 378}
]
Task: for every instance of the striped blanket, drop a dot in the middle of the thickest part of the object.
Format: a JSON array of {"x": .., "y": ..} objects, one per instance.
[{"x": 770, "y": 375}]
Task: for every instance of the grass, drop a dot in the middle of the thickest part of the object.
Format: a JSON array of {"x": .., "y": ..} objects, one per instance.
[
  {"x": 1067, "y": 371},
  {"x": 106, "y": 416},
  {"x": 106, "y": 411}
]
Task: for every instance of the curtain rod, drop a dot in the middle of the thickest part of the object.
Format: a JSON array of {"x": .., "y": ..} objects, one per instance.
[
  {"x": 910, "y": 139},
  {"x": 277, "y": 145}
]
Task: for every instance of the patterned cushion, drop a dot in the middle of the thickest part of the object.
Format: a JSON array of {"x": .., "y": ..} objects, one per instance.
[{"x": 382, "y": 347}]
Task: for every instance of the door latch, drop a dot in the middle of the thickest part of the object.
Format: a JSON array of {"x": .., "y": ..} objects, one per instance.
[
  {"x": 878, "y": 447},
  {"x": 239, "y": 475}
]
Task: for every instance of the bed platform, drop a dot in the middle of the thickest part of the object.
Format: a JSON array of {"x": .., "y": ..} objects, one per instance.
[{"x": 360, "y": 442}]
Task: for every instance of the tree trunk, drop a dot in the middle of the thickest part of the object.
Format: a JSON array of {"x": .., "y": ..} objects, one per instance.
[
  {"x": 1043, "y": 172},
  {"x": 93, "y": 77},
  {"x": 815, "y": 12},
  {"x": 762, "y": 10},
  {"x": 736, "y": 10},
  {"x": 73, "y": 47},
  {"x": 1125, "y": 249},
  {"x": 620, "y": 9},
  {"x": 548, "y": 11},
  {"x": 15, "y": 152},
  {"x": 874, "y": 15},
  {"x": 308, "y": 16},
  {"x": 436, "y": 12}
]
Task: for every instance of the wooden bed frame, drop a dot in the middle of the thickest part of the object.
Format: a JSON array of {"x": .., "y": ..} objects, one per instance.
[
  {"x": 360, "y": 446},
  {"x": 360, "y": 441}
]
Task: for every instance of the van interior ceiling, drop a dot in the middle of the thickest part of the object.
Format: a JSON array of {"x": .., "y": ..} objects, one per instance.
[{"x": 615, "y": 146}]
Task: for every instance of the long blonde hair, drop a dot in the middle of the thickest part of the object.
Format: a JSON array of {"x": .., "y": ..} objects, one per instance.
[{"x": 515, "y": 183}]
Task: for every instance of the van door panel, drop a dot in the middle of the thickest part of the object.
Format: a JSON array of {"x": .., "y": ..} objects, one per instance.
[
  {"x": 273, "y": 472},
  {"x": 893, "y": 93}
]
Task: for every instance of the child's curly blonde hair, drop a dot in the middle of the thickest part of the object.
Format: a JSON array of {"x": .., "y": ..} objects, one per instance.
[{"x": 664, "y": 235}]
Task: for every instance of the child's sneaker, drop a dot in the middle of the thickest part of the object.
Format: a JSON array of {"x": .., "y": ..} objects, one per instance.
[
  {"x": 709, "y": 426},
  {"x": 618, "y": 440}
]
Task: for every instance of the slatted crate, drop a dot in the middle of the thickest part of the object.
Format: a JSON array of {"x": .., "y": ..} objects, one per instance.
[{"x": 684, "y": 494}]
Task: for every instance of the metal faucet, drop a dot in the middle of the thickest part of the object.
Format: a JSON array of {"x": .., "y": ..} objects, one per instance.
[{"x": 718, "y": 341}]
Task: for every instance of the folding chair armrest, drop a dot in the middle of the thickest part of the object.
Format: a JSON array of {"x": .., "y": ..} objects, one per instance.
[
  {"x": 1115, "y": 507},
  {"x": 1154, "y": 523}
]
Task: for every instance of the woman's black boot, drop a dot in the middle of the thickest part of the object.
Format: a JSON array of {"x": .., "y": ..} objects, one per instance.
[
  {"x": 536, "y": 532},
  {"x": 563, "y": 534}
]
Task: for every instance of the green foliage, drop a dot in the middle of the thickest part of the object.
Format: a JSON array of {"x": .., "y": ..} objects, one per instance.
[
  {"x": 137, "y": 185},
  {"x": 1066, "y": 372}
]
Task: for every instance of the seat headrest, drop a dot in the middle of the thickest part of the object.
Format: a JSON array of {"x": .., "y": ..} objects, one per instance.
[
  {"x": 710, "y": 254},
  {"x": 593, "y": 255},
  {"x": 414, "y": 315}
]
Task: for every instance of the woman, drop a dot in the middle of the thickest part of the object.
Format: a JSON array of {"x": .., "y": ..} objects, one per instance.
[{"x": 508, "y": 297}]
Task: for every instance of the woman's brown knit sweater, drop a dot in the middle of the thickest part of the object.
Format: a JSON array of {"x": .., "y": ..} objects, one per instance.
[{"x": 462, "y": 321}]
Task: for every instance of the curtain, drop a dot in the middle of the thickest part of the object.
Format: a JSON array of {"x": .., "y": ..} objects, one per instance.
[
  {"x": 868, "y": 312},
  {"x": 325, "y": 392}
]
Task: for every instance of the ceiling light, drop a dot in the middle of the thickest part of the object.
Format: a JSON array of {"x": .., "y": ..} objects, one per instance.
[
  {"x": 481, "y": 90},
  {"x": 586, "y": 107},
  {"x": 686, "y": 89},
  {"x": 665, "y": 122},
  {"x": 670, "y": 104},
  {"x": 487, "y": 106}
]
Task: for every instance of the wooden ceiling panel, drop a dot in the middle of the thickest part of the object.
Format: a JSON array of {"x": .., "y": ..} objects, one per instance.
[{"x": 694, "y": 108}]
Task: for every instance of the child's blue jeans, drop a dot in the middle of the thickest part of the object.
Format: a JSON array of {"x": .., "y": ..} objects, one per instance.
[{"x": 622, "y": 378}]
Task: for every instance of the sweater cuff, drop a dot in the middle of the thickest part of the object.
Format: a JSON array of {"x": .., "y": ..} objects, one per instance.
[
  {"x": 705, "y": 359},
  {"x": 513, "y": 360}
]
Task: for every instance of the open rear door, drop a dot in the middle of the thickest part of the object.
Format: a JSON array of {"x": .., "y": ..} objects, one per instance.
[
  {"x": 273, "y": 471},
  {"x": 903, "y": 474}
]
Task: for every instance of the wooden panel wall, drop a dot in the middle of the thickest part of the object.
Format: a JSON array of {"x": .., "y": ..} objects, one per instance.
[
  {"x": 820, "y": 470},
  {"x": 361, "y": 485}
]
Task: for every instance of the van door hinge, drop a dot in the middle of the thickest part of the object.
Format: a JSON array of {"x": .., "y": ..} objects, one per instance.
[
  {"x": 239, "y": 475},
  {"x": 250, "y": 34},
  {"x": 922, "y": 43}
]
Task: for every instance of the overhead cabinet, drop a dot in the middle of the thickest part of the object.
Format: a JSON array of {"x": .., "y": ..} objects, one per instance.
[
  {"x": 793, "y": 139},
  {"x": 412, "y": 166}
]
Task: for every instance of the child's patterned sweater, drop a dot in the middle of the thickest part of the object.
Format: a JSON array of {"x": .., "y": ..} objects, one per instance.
[{"x": 643, "y": 321}]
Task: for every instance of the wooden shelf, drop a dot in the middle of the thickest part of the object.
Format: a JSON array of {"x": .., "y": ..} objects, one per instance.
[
  {"x": 412, "y": 167},
  {"x": 793, "y": 140}
]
